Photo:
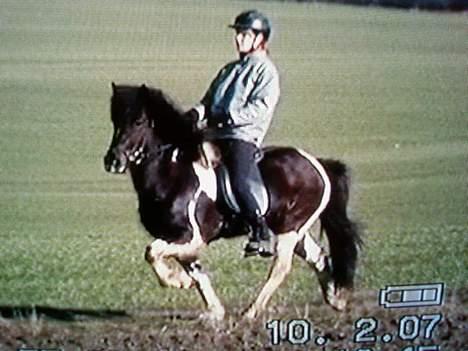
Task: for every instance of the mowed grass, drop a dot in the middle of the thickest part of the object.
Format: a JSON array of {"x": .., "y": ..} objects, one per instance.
[{"x": 384, "y": 91}]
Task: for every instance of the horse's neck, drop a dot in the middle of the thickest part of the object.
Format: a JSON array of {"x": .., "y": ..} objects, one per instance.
[{"x": 160, "y": 179}]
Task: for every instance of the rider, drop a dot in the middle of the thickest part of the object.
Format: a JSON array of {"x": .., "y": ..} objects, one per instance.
[{"x": 239, "y": 105}]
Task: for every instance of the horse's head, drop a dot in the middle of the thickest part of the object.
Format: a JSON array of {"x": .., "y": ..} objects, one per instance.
[
  {"x": 145, "y": 123},
  {"x": 132, "y": 127}
]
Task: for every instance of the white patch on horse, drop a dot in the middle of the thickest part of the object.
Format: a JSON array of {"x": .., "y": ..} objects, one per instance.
[
  {"x": 326, "y": 191},
  {"x": 207, "y": 180},
  {"x": 197, "y": 240},
  {"x": 190, "y": 249},
  {"x": 175, "y": 154}
]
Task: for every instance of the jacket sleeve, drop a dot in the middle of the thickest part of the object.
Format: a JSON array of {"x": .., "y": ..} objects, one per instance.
[
  {"x": 261, "y": 101},
  {"x": 204, "y": 106}
]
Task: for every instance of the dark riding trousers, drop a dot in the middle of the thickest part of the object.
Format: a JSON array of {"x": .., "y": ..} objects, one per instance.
[{"x": 241, "y": 160}]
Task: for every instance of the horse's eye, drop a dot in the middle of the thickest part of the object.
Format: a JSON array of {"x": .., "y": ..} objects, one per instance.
[{"x": 139, "y": 122}]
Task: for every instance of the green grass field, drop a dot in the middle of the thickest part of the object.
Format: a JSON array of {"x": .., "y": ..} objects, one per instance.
[{"x": 385, "y": 91}]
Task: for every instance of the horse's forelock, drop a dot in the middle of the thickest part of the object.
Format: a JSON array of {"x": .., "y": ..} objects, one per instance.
[{"x": 123, "y": 96}]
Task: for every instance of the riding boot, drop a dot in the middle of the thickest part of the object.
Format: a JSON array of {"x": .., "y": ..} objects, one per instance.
[
  {"x": 234, "y": 225},
  {"x": 263, "y": 240}
]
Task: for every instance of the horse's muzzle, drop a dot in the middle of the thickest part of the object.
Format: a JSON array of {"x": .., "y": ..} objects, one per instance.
[{"x": 114, "y": 164}]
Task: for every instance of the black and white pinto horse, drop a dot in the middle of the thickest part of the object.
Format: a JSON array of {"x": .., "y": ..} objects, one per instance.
[{"x": 172, "y": 174}]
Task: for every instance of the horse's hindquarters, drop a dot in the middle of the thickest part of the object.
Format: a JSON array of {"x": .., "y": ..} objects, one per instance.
[{"x": 297, "y": 189}]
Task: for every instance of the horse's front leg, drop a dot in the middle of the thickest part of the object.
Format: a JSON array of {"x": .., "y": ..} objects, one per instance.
[
  {"x": 168, "y": 271},
  {"x": 215, "y": 308},
  {"x": 158, "y": 254},
  {"x": 280, "y": 268}
]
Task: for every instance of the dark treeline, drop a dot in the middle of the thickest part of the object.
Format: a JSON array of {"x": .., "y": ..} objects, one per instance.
[{"x": 437, "y": 5}]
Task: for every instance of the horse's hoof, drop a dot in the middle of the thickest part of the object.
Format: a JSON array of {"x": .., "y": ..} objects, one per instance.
[
  {"x": 250, "y": 314},
  {"x": 339, "y": 300},
  {"x": 212, "y": 316},
  {"x": 332, "y": 295},
  {"x": 336, "y": 298}
]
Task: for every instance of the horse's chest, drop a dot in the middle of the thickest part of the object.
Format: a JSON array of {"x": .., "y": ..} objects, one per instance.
[{"x": 165, "y": 219}]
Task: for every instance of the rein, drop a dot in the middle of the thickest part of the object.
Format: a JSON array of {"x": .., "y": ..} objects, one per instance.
[{"x": 157, "y": 151}]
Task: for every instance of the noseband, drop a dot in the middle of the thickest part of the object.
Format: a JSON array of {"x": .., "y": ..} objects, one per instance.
[{"x": 138, "y": 156}]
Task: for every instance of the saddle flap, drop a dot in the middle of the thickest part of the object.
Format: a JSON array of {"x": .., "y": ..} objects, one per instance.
[
  {"x": 227, "y": 196},
  {"x": 225, "y": 193}
]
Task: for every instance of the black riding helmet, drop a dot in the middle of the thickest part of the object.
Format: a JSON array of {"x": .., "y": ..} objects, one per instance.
[{"x": 254, "y": 20}]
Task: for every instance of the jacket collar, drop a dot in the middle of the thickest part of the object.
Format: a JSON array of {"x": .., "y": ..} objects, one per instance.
[{"x": 256, "y": 54}]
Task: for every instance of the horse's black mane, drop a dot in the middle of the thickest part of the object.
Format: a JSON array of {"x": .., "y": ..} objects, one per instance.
[{"x": 128, "y": 94}]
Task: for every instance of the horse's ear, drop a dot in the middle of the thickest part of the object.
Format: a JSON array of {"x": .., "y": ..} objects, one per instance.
[
  {"x": 113, "y": 87},
  {"x": 143, "y": 91}
]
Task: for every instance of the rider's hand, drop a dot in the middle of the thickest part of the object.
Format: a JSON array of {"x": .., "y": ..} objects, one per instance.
[{"x": 218, "y": 120}]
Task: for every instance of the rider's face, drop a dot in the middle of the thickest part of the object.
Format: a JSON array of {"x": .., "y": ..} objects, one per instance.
[{"x": 247, "y": 41}]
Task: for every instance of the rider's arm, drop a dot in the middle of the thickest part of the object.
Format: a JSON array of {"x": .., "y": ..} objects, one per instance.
[
  {"x": 261, "y": 101},
  {"x": 203, "y": 108}
]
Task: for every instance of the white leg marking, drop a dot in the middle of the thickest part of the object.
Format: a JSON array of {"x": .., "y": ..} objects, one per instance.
[
  {"x": 214, "y": 305},
  {"x": 326, "y": 191},
  {"x": 280, "y": 268},
  {"x": 315, "y": 255},
  {"x": 169, "y": 273},
  {"x": 172, "y": 275}
]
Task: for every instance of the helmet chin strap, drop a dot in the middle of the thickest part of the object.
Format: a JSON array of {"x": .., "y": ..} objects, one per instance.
[
  {"x": 256, "y": 44},
  {"x": 258, "y": 41}
]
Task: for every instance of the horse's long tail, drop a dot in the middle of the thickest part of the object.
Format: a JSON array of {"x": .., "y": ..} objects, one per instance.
[{"x": 343, "y": 234}]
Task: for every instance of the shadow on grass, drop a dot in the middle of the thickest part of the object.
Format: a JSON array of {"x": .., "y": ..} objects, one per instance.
[{"x": 62, "y": 314}]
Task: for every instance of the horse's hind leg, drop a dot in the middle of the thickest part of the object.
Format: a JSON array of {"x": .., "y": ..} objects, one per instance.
[
  {"x": 215, "y": 308},
  {"x": 312, "y": 253},
  {"x": 319, "y": 261},
  {"x": 281, "y": 267}
]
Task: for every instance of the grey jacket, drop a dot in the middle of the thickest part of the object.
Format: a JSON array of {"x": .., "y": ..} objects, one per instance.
[{"x": 242, "y": 98}]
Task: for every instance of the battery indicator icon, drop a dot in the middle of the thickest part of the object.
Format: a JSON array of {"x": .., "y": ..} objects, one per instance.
[{"x": 419, "y": 295}]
